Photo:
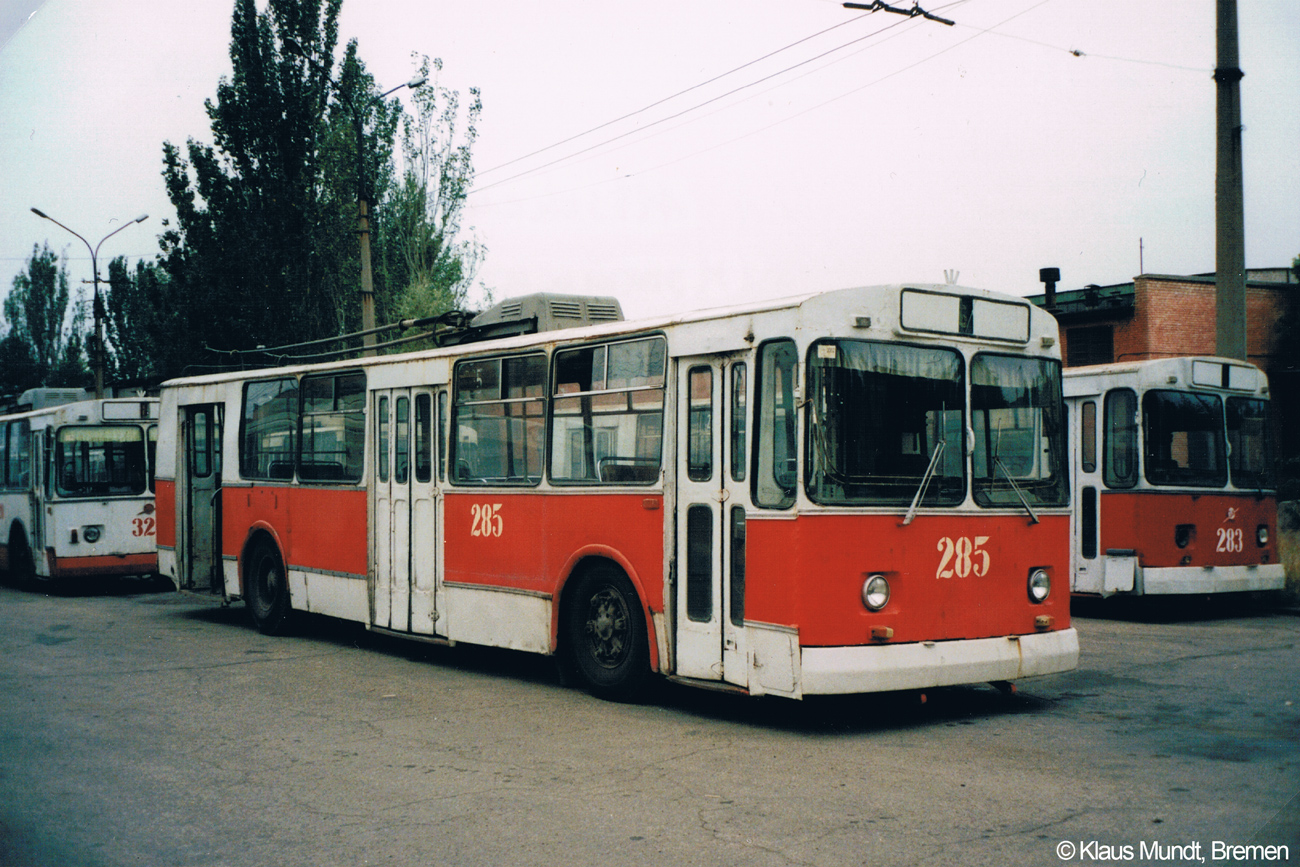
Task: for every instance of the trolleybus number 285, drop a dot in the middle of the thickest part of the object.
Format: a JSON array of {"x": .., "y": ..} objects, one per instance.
[
  {"x": 962, "y": 556},
  {"x": 485, "y": 520}
]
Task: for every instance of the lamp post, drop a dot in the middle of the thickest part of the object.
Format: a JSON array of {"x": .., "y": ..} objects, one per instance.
[
  {"x": 98, "y": 309},
  {"x": 363, "y": 193}
]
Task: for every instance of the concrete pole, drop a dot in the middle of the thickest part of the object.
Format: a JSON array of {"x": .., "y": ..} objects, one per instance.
[{"x": 1230, "y": 243}]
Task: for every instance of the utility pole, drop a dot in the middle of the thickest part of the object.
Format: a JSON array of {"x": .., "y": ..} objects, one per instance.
[{"x": 1229, "y": 219}]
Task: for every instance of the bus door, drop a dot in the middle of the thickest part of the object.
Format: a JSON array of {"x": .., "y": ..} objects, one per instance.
[
  {"x": 711, "y": 496},
  {"x": 199, "y": 552},
  {"x": 405, "y": 506}
]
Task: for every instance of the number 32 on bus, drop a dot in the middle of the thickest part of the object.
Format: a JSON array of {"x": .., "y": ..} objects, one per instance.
[{"x": 855, "y": 491}]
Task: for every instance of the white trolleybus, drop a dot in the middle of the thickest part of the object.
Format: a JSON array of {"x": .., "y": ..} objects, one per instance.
[
  {"x": 76, "y": 489},
  {"x": 854, "y": 491},
  {"x": 1173, "y": 482}
]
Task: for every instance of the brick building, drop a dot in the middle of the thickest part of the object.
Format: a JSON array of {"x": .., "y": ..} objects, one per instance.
[{"x": 1159, "y": 316}]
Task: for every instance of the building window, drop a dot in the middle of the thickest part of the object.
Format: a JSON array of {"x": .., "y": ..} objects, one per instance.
[{"x": 1092, "y": 345}]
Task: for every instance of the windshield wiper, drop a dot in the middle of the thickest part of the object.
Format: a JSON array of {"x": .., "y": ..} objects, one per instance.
[
  {"x": 925, "y": 482},
  {"x": 997, "y": 462}
]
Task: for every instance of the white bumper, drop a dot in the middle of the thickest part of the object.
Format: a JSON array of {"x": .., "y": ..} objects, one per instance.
[
  {"x": 1220, "y": 579},
  {"x": 835, "y": 670}
]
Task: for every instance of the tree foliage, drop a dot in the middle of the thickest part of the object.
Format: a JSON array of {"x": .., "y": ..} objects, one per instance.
[
  {"x": 265, "y": 248},
  {"x": 44, "y": 343}
]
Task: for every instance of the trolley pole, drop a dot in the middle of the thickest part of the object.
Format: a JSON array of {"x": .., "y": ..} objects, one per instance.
[
  {"x": 97, "y": 349},
  {"x": 1229, "y": 219}
]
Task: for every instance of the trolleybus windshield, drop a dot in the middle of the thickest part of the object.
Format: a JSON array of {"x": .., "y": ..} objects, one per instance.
[
  {"x": 886, "y": 420},
  {"x": 1250, "y": 457},
  {"x": 1184, "y": 439},
  {"x": 1016, "y": 411}
]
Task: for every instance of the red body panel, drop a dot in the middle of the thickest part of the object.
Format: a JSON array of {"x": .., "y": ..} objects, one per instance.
[
  {"x": 165, "y": 501},
  {"x": 808, "y": 573},
  {"x": 1145, "y": 522},
  {"x": 323, "y": 529},
  {"x": 539, "y": 536}
]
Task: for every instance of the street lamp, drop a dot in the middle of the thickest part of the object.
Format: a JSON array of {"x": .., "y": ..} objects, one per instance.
[
  {"x": 98, "y": 348},
  {"x": 363, "y": 194}
]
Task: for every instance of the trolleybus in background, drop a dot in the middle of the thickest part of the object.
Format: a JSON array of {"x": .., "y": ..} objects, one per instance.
[
  {"x": 1173, "y": 481},
  {"x": 854, "y": 491},
  {"x": 76, "y": 489}
]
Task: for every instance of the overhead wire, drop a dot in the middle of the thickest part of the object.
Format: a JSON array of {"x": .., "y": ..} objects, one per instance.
[{"x": 689, "y": 109}]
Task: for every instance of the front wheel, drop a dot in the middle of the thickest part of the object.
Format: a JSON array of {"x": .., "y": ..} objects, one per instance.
[
  {"x": 605, "y": 634},
  {"x": 266, "y": 588}
]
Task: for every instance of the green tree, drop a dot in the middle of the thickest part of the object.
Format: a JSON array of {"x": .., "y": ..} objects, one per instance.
[
  {"x": 431, "y": 267},
  {"x": 44, "y": 343},
  {"x": 249, "y": 249},
  {"x": 141, "y": 313}
]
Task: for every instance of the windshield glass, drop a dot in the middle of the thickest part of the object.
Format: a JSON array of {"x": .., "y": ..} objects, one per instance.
[
  {"x": 1016, "y": 413},
  {"x": 879, "y": 414},
  {"x": 1250, "y": 456},
  {"x": 100, "y": 461},
  {"x": 1184, "y": 443}
]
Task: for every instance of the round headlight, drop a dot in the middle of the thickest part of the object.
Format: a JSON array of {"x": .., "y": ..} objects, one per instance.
[
  {"x": 1261, "y": 535},
  {"x": 875, "y": 592},
  {"x": 1040, "y": 585},
  {"x": 91, "y": 534}
]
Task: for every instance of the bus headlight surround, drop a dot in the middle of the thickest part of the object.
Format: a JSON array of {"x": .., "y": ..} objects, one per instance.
[
  {"x": 875, "y": 592},
  {"x": 1261, "y": 535},
  {"x": 92, "y": 533},
  {"x": 1040, "y": 585}
]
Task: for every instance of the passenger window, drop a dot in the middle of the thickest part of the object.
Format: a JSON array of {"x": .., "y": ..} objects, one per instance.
[
  {"x": 333, "y": 428},
  {"x": 774, "y": 452},
  {"x": 1088, "y": 436},
  {"x": 267, "y": 429},
  {"x": 500, "y": 422},
  {"x": 699, "y": 459},
  {"x": 608, "y": 413},
  {"x": 1119, "y": 456}
]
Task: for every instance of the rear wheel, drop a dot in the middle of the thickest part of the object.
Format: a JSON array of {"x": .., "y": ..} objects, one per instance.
[
  {"x": 605, "y": 633},
  {"x": 266, "y": 588}
]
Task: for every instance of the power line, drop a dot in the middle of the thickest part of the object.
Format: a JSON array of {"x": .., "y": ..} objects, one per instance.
[{"x": 688, "y": 110}]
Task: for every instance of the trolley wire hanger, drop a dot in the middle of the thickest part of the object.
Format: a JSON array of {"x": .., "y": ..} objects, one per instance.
[{"x": 915, "y": 12}]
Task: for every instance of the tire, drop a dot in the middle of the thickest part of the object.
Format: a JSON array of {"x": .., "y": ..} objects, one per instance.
[
  {"x": 605, "y": 634},
  {"x": 266, "y": 589}
]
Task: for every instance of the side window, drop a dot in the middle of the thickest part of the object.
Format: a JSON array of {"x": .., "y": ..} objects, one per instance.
[
  {"x": 20, "y": 463},
  {"x": 699, "y": 457},
  {"x": 1119, "y": 448},
  {"x": 268, "y": 428},
  {"x": 739, "y": 419},
  {"x": 1088, "y": 436},
  {"x": 333, "y": 428},
  {"x": 381, "y": 439},
  {"x": 4, "y": 454},
  {"x": 772, "y": 483},
  {"x": 402, "y": 441},
  {"x": 423, "y": 438},
  {"x": 607, "y": 413},
  {"x": 499, "y": 421}
]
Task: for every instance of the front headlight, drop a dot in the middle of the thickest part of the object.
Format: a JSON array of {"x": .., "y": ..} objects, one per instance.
[
  {"x": 875, "y": 592},
  {"x": 1040, "y": 585},
  {"x": 92, "y": 534}
]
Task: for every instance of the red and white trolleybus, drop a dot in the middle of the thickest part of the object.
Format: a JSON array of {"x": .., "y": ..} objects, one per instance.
[
  {"x": 854, "y": 491},
  {"x": 1173, "y": 478},
  {"x": 76, "y": 489}
]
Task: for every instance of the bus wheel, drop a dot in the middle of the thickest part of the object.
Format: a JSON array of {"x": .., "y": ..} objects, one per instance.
[
  {"x": 266, "y": 588},
  {"x": 606, "y": 635}
]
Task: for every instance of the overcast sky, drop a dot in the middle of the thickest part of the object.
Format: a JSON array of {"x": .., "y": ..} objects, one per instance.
[{"x": 725, "y": 150}]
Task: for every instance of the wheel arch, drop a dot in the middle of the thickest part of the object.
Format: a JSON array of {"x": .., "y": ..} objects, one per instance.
[
  {"x": 587, "y": 558},
  {"x": 258, "y": 532}
]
